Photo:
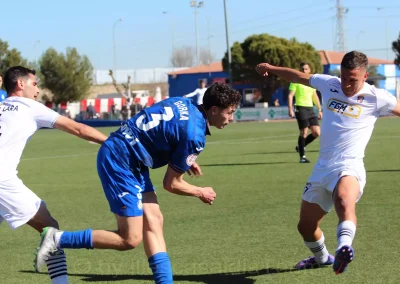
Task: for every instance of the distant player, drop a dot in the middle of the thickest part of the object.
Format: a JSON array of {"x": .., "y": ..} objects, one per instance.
[
  {"x": 351, "y": 108},
  {"x": 20, "y": 116},
  {"x": 171, "y": 132},
  {"x": 304, "y": 112},
  {"x": 198, "y": 93},
  {"x": 3, "y": 94}
]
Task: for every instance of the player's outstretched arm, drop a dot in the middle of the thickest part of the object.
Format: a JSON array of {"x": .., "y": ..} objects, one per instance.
[
  {"x": 192, "y": 94},
  {"x": 174, "y": 183},
  {"x": 78, "y": 129},
  {"x": 288, "y": 74}
]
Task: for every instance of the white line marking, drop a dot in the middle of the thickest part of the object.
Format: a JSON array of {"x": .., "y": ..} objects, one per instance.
[
  {"x": 231, "y": 142},
  {"x": 58, "y": 157}
]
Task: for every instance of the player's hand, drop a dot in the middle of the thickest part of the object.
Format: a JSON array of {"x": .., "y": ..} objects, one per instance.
[
  {"x": 207, "y": 195},
  {"x": 291, "y": 113},
  {"x": 320, "y": 115},
  {"x": 263, "y": 69},
  {"x": 194, "y": 170}
]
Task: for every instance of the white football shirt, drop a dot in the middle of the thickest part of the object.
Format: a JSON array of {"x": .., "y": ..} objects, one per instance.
[
  {"x": 19, "y": 119},
  {"x": 199, "y": 93},
  {"x": 348, "y": 122}
]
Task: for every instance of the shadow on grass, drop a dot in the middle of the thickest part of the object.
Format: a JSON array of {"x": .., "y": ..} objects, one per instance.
[
  {"x": 383, "y": 171},
  {"x": 279, "y": 152},
  {"x": 215, "y": 278},
  {"x": 245, "y": 164}
]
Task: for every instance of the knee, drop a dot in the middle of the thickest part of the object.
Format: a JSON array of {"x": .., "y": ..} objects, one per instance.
[
  {"x": 316, "y": 133},
  {"x": 303, "y": 132},
  {"x": 130, "y": 242},
  {"x": 343, "y": 204}
]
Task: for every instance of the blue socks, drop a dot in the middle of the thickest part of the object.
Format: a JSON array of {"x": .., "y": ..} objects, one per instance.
[
  {"x": 77, "y": 239},
  {"x": 160, "y": 264}
]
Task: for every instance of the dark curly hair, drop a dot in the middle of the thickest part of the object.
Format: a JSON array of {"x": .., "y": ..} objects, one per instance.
[{"x": 221, "y": 95}]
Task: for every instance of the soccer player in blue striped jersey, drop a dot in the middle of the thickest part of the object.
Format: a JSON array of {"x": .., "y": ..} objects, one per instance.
[{"x": 172, "y": 132}]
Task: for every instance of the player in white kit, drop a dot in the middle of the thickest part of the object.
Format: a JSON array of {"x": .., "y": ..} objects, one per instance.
[
  {"x": 20, "y": 116},
  {"x": 351, "y": 108}
]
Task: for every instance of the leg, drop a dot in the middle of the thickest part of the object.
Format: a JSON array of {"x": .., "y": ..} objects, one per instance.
[
  {"x": 127, "y": 237},
  {"x": 316, "y": 203},
  {"x": 42, "y": 219},
  {"x": 122, "y": 187},
  {"x": 311, "y": 215},
  {"x": 315, "y": 133},
  {"x": 153, "y": 239},
  {"x": 302, "y": 142},
  {"x": 303, "y": 123},
  {"x": 57, "y": 261},
  {"x": 16, "y": 197},
  {"x": 345, "y": 196}
]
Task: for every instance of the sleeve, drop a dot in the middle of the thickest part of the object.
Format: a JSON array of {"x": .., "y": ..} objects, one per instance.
[
  {"x": 320, "y": 81},
  {"x": 185, "y": 155},
  {"x": 292, "y": 87},
  {"x": 43, "y": 116},
  {"x": 192, "y": 94},
  {"x": 385, "y": 101}
]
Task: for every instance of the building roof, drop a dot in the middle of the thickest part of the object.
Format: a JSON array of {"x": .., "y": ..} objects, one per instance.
[
  {"x": 213, "y": 67},
  {"x": 335, "y": 57},
  {"x": 327, "y": 57}
]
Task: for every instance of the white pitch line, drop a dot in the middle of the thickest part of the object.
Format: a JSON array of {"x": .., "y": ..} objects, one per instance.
[
  {"x": 230, "y": 142},
  {"x": 58, "y": 157}
]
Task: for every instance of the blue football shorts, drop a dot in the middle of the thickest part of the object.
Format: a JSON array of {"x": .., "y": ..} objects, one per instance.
[{"x": 124, "y": 181}]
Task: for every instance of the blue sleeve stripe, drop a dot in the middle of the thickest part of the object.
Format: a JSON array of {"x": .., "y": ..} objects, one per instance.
[{"x": 176, "y": 169}]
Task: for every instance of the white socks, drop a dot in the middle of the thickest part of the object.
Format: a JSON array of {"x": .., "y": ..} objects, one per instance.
[
  {"x": 345, "y": 233},
  {"x": 319, "y": 250}
]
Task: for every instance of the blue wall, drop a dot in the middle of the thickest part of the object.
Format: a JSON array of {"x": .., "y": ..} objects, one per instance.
[
  {"x": 186, "y": 83},
  {"x": 183, "y": 84}
]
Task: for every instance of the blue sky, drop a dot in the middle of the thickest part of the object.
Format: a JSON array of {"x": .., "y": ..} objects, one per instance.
[{"x": 144, "y": 37}]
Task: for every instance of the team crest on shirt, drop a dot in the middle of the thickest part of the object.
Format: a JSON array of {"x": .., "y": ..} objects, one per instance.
[
  {"x": 140, "y": 205},
  {"x": 191, "y": 159},
  {"x": 344, "y": 108},
  {"x": 360, "y": 99}
]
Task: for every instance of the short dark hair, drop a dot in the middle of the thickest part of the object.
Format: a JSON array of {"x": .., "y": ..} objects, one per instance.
[
  {"x": 302, "y": 64},
  {"x": 221, "y": 95},
  {"x": 354, "y": 60},
  {"x": 13, "y": 74}
]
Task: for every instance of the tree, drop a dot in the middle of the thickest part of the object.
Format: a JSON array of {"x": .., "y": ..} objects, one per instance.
[
  {"x": 9, "y": 57},
  {"x": 183, "y": 57},
  {"x": 126, "y": 86},
  {"x": 276, "y": 51},
  {"x": 68, "y": 76},
  {"x": 374, "y": 77},
  {"x": 206, "y": 56},
  {"x": 396, "y": 50}
]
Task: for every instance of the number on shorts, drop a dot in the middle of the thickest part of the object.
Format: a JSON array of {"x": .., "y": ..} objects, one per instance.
[
  {"x": 156, "y": 117},
  {"x": 307, "y": 187}
]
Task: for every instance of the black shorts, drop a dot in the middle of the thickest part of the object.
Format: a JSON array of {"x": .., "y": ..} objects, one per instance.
[{"x": 306, "y": 117}]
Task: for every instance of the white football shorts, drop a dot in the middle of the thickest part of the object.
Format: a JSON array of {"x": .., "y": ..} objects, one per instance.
[
  {"x": 322, "y": 182},
  {"x": 18, "y": 204}
]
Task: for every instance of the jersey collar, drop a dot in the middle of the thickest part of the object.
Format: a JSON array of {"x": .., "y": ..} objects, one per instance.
[{"x": 203, "y": 111}]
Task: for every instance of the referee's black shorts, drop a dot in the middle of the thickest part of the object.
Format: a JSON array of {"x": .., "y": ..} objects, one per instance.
[{"x": 306, "y": 117}]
